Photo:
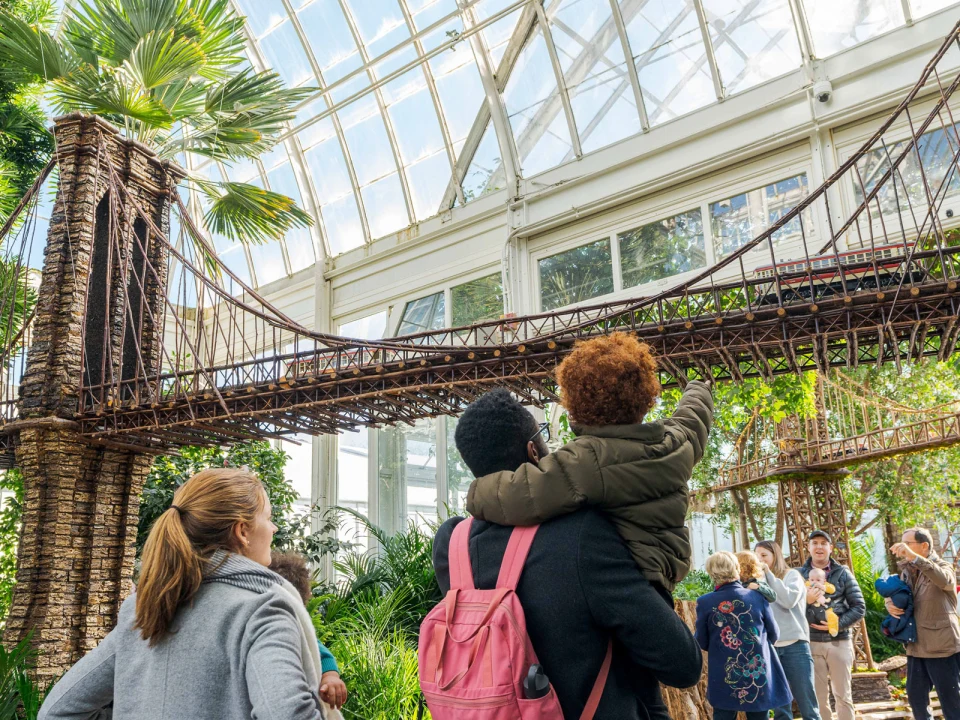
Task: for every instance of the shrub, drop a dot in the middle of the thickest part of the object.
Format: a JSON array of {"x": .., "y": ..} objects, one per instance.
[{"x": 694, "y": 585}]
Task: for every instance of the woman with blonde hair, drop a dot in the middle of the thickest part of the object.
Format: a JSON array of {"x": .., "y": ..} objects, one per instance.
[
  {"x": 793, "y": 646},
  {"x": 736, "y": 629},
  {"x": 210, "y": 632}
]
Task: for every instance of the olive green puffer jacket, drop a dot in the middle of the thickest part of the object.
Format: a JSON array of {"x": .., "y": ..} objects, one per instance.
[{"x": 638, "y": 474}]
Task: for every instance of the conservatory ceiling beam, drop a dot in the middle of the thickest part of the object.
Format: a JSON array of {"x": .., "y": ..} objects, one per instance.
[
  {"x": 443, "y": 47},
  {"x": 708, "y": 49},
  {"x": 561, "y": 81},
  {"x": 493, "y": 109},
  {"x": 631, "y": 62},
  {"x": 602, "y": 39},
  {"x": 493, "y": 84},
  {"x": 804, "y": 36},
  {"x": 382, "y": 105},
  {"x": 341, "y": 140},
  {"x": 435, "y": 96}
]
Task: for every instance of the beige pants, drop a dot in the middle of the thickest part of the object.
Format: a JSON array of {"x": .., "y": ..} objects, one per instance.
[{"x": 833, "y": 665}]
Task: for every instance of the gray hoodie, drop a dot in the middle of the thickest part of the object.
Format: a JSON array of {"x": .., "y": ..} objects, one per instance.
[{"x": 237, "y": 652}]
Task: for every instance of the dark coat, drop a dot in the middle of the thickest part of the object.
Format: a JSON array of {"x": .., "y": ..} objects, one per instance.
[
  {"x": 736, "y": 628},
  {"x": 903, "y": 628},
  {"x": 579, "y": 589},
  {"x": 638, "y": 474},
  {"x": 847, "y": 602}
]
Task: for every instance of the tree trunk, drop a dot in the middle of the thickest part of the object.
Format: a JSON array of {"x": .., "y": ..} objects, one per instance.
[{"x": 891, "y": 536}]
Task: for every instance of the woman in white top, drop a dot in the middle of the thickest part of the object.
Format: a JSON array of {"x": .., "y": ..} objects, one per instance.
[{"x": 793, "y": 646}]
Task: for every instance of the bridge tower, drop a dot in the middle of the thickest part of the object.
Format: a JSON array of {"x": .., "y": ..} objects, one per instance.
[{"x": 93, "y": 325}]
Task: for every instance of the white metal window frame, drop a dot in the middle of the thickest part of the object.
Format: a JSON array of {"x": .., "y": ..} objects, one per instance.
[
  {"x": 399, "y": 305},
  {"x": 729, "y": 183},
  {"x": 848, "y": 141}
]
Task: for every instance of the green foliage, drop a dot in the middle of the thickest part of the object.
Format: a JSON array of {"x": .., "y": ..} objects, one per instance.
[
  {"x": 881, "y": 646},
  {"x": 171, "y": 74},
  {"x": 695, "y": 584},
  {"x": 370, "y": 620},
  {"x": 10, "y": 514},
  {"x": 25, "y": 143},
  {"x": 169, "y": 472},
  {"x": 477, "y": 300},
  {"x": 20, "y": 696}
]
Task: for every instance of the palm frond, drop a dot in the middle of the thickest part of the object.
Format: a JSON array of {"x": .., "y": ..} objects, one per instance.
[
  {"x": 28, "y": 53},
  {"x": 162, "y": 57},
  {"x": 251, "y": 214},
  {"x": 217, "y": 29},
  {"x": 103, "y": 93}
]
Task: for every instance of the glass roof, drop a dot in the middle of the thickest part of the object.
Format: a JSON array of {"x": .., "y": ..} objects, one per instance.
[{"x": 422, "y": 105}]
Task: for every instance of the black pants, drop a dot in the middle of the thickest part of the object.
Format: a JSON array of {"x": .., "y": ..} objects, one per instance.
[{"x": 940, "y": 673}]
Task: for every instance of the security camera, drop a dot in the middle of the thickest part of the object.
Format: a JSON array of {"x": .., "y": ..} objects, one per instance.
[{"x": 823, "y": 91}]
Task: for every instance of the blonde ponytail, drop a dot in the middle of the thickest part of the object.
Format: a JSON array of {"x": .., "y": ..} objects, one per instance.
[{"x": 201, "y": 520}]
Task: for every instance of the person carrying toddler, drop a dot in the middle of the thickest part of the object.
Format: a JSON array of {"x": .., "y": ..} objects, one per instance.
[
  {"x": 637, "y": 472},
  {"x": 752, "y": 575}
]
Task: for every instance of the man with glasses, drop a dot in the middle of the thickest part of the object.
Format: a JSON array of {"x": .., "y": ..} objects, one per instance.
[
  {"x": 580, "y": 587},
  {"x": 933, "y": 661}
]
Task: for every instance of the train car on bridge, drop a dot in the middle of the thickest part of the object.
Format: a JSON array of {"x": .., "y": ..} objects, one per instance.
[{"x": 820, "y": 277}]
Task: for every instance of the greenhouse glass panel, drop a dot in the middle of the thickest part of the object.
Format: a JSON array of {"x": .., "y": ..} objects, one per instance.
[
  {"x": 371, "y": 327},
  {"x": 535, "y": 110},
  {"x": 370, "y": 150},
  {"x": 459, "y": 476},
  {"x": 299, "y": 468},
  {"x": 341, "y": 219},
  {"x": 353, "y": 457},
  {"x": 753, "y": 40},
  {"x": 576, "y": 275},
  {"x": 595, "y": 72},
  {"x": 428, "y": 180},
  {"x": 284, "y": 55},
  {"x": 485, "y": 174},
  {"x": 667, "y": 46},
  {"x": 262, "y": 14},
  {"x": 328, "y": 170},
  {"x": 423, "y": 315},
  {"x": 919, "y": 8},
  {"x": 662, "y": 249},
  {"x": 407, "y": 475},
  {"x": 300, "y": 249},
  {"x": 267, "y": 259},
  {"x": 283, "y": 180},
  {"x": 235, "y": 259},
  {"x": 836, "y": 26},
  {"x": 461, "y": 96},
  {"x": 387, "y": 211},
  {"x": 739, "y": 219},
  {"x": 497, "y": 35},
  {"x": 906, "y": 192},
  {"x": 328, "y": 35},
  {"x": 315, "y": 132},
  {"x": 414, "y": 118},
  {"x": 477, "y": 300}
]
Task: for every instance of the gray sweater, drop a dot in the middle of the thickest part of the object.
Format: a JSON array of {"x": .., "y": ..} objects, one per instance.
[
  {"x": 790, "y": 607},
  {"x": 236, "y": 653}
]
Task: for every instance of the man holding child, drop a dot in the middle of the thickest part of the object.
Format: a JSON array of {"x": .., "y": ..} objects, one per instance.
[{"x": 933, "y": 661}]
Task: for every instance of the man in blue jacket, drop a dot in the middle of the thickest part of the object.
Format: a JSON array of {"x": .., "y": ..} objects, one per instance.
[
  {"x": 580, "y": 587},
  {"x": 832, "y": 656}
]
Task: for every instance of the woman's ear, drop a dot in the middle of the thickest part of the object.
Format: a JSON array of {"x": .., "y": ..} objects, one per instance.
[
  {"x": 532, "y": 453},
  {"x": 241, "y": 532}
]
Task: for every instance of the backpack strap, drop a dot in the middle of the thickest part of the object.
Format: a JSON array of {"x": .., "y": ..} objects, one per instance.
[
  {"x": 515, "y": 556},
  {"x": 458, "y": 557},
  {"x": 593, "y": 701}
]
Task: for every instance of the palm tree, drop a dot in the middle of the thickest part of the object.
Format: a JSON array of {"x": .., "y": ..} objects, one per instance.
[{"x": 171, "y": 74}]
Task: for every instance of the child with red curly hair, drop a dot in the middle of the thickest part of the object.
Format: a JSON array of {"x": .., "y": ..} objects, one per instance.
[{"x": 637, "y": 472}]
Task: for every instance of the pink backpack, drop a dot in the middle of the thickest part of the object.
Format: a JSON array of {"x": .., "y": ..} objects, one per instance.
[{"x": 474, "y": 649}]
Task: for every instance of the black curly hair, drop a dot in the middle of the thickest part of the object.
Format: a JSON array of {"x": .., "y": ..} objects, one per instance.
[{"x": 493, "y": 432}]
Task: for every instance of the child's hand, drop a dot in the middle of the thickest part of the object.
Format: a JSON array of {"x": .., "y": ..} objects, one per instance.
[{"x": 332, "y": 689}]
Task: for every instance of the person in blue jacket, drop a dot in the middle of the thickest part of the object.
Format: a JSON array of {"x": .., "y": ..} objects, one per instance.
[
  {"x": 902, "y": 628},
  {"x": 736, "y": 628}
]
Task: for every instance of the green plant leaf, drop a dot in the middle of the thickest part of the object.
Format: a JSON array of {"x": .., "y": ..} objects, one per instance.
[
  {"x": 161, "y": 57},
  {"x": 106, "y": 94},
  {"x": 27, "y": 52},
  {"x": 251, "y": 214}
]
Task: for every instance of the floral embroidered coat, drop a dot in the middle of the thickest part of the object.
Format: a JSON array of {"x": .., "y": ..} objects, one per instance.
[{"x": 736, "y": 628}]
